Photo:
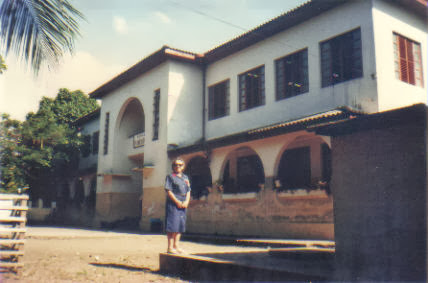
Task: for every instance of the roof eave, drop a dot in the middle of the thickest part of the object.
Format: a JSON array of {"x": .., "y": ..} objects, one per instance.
[{"x": 145, "y": 65}]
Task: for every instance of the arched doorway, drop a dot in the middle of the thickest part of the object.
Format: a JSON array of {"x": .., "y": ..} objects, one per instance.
[
  {"x": 243, "y": 172},
  {"x": 199, "y": 174},
  {"x": 305, "y": 163}
]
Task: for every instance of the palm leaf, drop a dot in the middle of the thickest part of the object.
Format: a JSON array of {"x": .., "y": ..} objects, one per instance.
[{"x": 38, "y": 31}]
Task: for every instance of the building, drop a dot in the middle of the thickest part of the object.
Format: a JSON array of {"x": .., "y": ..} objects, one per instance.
[{"x": 245, "y": 115}]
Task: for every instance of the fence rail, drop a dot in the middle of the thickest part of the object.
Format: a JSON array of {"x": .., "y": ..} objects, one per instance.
[{"x": 13, "y": 218}]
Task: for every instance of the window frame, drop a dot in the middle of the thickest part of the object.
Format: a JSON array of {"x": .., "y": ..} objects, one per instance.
[
  {"x": 106, "y": 133},
  {"x": 261, "y": 92},
  {"x": 95, "y": 142},
  {"x": 156, "y": 114},
  {"x": 212, "y": 115},
  {"x": 280, "y": 83},
  {"x": 329, "y": 63},
  {"x": 411, "y": 60}
]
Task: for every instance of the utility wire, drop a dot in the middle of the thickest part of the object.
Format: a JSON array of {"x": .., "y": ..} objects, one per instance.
[{"x": 237, "y": 26}]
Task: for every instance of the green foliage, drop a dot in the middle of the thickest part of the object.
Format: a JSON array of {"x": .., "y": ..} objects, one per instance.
[
  {"x": 3, "y": 66},
  {"x": 12, "y": 174},
  {"x": 38, "y": 31},
  {"x": 47, "y": 144}
]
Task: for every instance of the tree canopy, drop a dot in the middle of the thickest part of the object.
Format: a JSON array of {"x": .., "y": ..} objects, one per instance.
[
  {"x": 3, "y": 66},
  {"x": 43, "y": 149}
]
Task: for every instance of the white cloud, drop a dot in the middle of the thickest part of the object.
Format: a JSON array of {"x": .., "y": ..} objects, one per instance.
[
  {"x": 163, "y": 17},
  {"x": 120, "y": 25},
  {"x": 20, "y": 92}
]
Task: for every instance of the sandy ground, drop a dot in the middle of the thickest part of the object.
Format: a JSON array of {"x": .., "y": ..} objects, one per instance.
[{"x": 78, "y": 255}]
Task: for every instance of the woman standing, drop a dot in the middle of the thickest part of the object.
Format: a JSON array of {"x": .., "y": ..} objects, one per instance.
[{"x": 177, "y": 187}]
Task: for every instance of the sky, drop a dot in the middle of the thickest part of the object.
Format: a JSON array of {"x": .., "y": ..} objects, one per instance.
[{"x": 117, "y": 34}]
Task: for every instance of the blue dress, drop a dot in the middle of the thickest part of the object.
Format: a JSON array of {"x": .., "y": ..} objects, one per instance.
[{"x": 176, "y": 217}]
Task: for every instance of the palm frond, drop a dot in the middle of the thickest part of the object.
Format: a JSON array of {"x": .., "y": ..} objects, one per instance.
[{"x": 38, "y": 31}]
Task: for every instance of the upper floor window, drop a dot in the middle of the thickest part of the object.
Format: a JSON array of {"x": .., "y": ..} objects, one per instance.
[
  {"x": 86, "y": 147},
  {"x": 218, "y": 100},
  {"x": 156, "y": 106},
  {"x": 95, "y": 140},
  {"x": 106, "y": 132},
  {"x": 252, "y": 88},
  {"x": 292, "y": 75},
  {"x": 408, "y": 60},
  {"x": 341, "y": 58}
]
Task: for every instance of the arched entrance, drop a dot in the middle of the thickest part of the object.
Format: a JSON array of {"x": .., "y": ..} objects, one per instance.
[
  {"x": 305, "y": 163},
  {"x": 242, "y": 172},
  {"x": 128, "y": 155},
  {"x": 199, "y": 174}
]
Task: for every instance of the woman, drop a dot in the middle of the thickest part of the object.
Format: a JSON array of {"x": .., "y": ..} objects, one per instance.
[{"x": 177, "y": 187}]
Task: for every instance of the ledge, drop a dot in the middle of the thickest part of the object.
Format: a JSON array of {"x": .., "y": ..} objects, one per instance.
[{"x": 124, "y": 175}]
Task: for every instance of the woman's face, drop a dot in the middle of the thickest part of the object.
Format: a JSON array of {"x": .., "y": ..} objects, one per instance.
[{"x": 178, "y": 166}]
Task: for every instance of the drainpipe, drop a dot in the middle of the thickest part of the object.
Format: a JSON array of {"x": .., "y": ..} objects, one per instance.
[{"x": 204, "y": 69}]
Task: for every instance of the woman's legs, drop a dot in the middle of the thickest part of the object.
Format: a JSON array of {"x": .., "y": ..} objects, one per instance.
[
  {"x": 177, "y": 237},
  {"x": 173, "y": 241}
]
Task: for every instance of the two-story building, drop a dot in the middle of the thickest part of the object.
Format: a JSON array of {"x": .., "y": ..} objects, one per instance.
[
  {"x": 243, "y": 115},
  {"x": 79, "y": 198}
]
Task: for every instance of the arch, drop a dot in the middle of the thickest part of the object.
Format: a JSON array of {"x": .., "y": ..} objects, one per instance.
[
  {"x": 130, "y": 121},
  {"x": 303, "y": 163},
  {"x": 242, "y": 171},
  {"x": 199, "y": 173},
  {"x": 131, "y": 118}
]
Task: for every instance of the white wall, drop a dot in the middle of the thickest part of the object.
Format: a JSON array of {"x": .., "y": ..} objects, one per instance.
[
  {"x": 388, "y": 18},
  {"x": 141, "y": 88},
  {"x": 357, "y": 93},
  {"x": 89, "y": 128},
  {"x": 184, "y": 103}
]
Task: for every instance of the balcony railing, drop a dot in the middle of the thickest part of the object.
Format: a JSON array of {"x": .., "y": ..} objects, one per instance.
[{"x": 138, "y": 139}]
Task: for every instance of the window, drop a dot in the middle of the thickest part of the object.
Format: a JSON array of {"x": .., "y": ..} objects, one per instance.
[
  {"x": 294, "y": 171},
  {"x": 243, "y": 172},
  {"x": 86, "y": 147},
  {"x": 106, "y": 126},
  {"x": 156, "y": 105},
  {"x": 292, "y": 75},
  {"x": 252, "y": 89},
  {"x": 218, "y": 100},
  {"x": 95, "y": 140},
  {"x": 341, "y": 58},
  {"x": 408, "y": 61}
]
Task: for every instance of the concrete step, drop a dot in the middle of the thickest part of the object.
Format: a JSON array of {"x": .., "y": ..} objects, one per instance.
[{"x": 245, "y": 266}]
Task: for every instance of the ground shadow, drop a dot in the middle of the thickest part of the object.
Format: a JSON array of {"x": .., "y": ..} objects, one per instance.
[{"x": 123, "y": 266}]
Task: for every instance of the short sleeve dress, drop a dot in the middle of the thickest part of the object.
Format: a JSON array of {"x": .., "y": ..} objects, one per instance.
[{"x": 176, "y": 217}]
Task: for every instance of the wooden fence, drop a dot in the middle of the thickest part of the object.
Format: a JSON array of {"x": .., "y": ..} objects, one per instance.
[{"x": 13, "y": 218}]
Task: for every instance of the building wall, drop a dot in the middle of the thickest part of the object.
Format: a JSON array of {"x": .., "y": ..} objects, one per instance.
[
  {"x": 358, "y": 93},
  {"x": 270, "y": 212},
  {"x": 387, "y": 19},
  {"x": 184, "y": 104},
  {"x": 265, "y": 214},
  {"x": 379, "y": 190},
  {"x": 120, "y": 195},
  {"x": 89, "y": 128}
]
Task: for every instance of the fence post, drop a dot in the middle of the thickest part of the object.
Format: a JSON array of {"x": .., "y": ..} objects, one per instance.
[{"x": 13, "y": 218}]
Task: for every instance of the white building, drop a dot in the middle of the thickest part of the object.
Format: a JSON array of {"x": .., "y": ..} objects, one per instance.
[{"x": 242, "y": 115}]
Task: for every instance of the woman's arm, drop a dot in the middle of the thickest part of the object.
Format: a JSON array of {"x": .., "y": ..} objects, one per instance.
[
  {"x": 178, "y": 203},
  {"x": 186, "y": 202}
]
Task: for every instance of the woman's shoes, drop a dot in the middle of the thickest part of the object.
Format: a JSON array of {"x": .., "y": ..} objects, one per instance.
[
  {"x": 180, "y": 251},
  {"x": 176, "y": 251},
  {"x": 172, "y": 251}
]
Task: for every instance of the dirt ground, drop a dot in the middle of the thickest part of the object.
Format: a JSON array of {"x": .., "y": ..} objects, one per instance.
[{"x": 79, "y": 255}]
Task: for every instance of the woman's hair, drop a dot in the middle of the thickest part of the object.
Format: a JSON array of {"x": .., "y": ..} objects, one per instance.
[{"x": 178, "y": 159}]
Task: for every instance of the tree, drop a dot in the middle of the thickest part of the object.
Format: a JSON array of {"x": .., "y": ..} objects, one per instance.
[
  {"x": 3, "y": 66},
  {"x": 49, "y": 145},
  {"x": 38, "y": 31},
  {"x": 12, "y": 173}
]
